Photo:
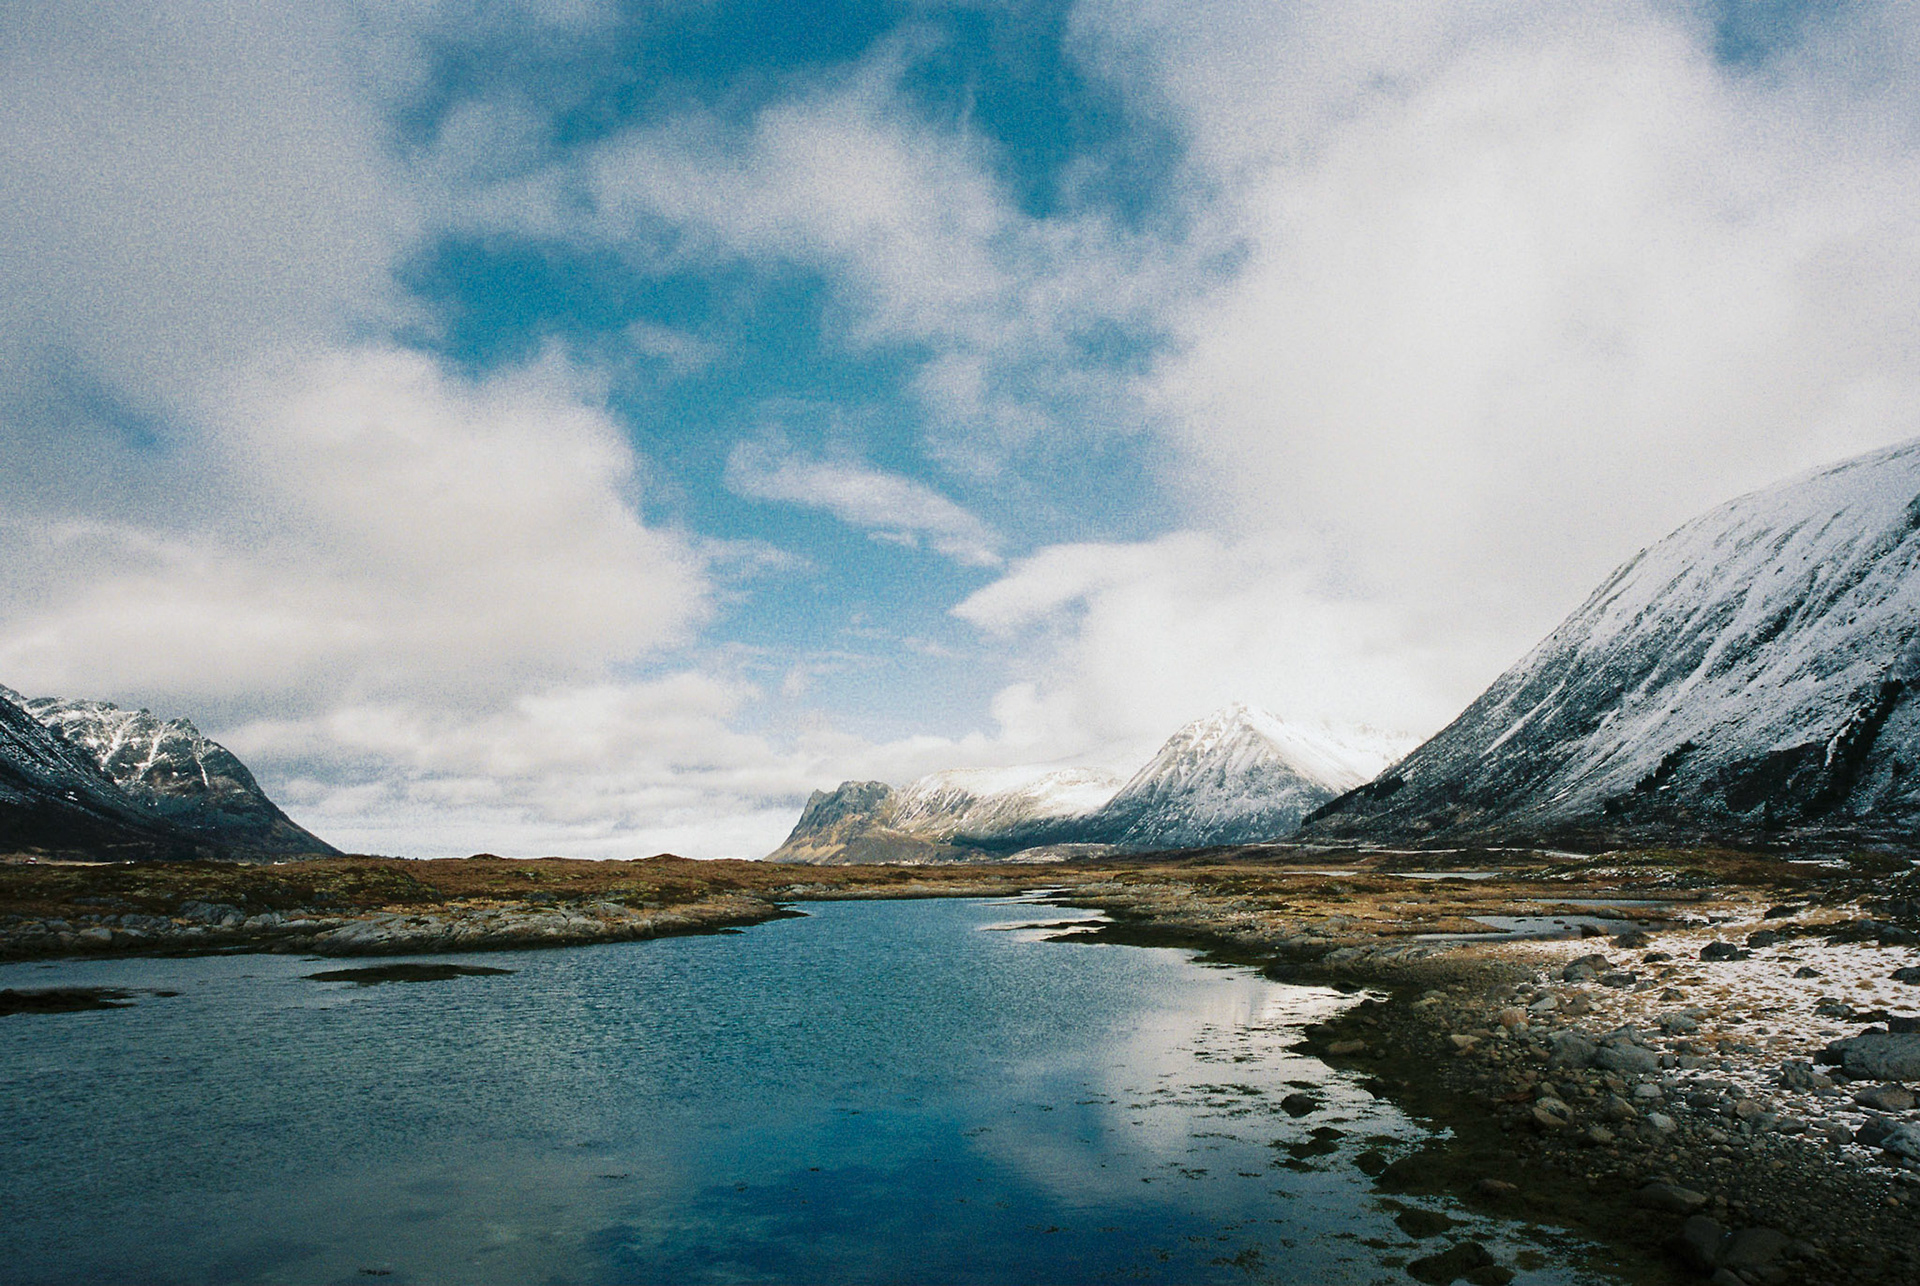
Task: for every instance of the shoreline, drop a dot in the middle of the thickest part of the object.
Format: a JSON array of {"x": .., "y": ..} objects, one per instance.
[{"x": 1559, "y": 1098}]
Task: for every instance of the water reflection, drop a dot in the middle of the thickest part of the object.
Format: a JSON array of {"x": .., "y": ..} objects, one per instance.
[{"x": 881, "y": 1091}]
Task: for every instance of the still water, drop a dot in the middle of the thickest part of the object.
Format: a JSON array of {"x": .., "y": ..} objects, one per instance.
[{"x": 881, "y": 1091}]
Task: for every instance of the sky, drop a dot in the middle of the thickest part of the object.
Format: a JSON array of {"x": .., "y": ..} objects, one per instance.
[{"x": 587, "y": 428}]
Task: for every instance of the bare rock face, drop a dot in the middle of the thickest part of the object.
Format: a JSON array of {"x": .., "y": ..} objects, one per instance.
[
  {"x": 857, "y": 822},
  {"x": 1754, "y": 673},
  {"x": 89, "y": 777}
]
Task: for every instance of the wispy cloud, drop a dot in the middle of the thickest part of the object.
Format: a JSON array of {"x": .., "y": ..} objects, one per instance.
[{"x": 887, "y": 506}]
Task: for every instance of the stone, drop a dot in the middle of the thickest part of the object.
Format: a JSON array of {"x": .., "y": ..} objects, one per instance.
[
  {"x": 215, "y": 913},
  {"x": 1679, "y": 1024},
  {"x": 1544, "y": 1005},
  {"x": 1798, "y": 1074},
  {"x": 1662, "y": 1122},
  {"x": 1910, "y": 974},
  {"x": 1790, "y": 1125},
  {"x": 1631, "y": 939},
  {"x": 1371, "y": 1162},
  {"x": 1880, "y": 1056},
  {"x": 1721, "y": 951},
  {"x": 1551, "y": 1114},
  {"x": 1342, "y": 1048},
  {"x": 1806, "y": 971},
  {"x": 1618, "y": 978},
  {"x": 1904, "y": 1024},
  {"x": 1698, "y": 1242},
  {"x": 1297, "y": 1105},
  {"x": 97, "y": 936},
  {"x": 1648, "y": 1092},
  {"x": 1747, "y": 1109},
  {"x": 1872, "y": 1131},
  {"x": 1421, "y": 1224},
  {"x": 1836, "y": 1133},
  {"x": 1461, "y": 1042},
  {"x": 1597, "y": 1136},
  {"x": 1511, "y": 1018},
  {"x": 1763, "y": 938},
  {"x": 1753, "y": 1248},
  {"x": 1627, "y": 1058},
  {"x": 1903, "y": 1140},
  {"x": 1615, "y": 1108},
  {"x": 1670, "y": 1197},
  {"x": 1885, "y": 1098},
  {"x": 1450, "y": 1264},
  {"x": 1571, "y": 1049},
  {"x": 1579, "y": 971}
]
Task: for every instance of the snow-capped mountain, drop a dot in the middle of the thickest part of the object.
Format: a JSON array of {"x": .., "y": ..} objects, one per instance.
[
  {"x": 54, "y": 798},
  {"x": 1755, "y": 670},
  {"x": 1236, "y": 776},
  {"x": 88, "y": 777},
  {"x": 178, "y": 775}
]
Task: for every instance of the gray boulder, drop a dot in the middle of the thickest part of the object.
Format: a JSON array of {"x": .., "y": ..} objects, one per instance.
[
  {"x": 1903, "y": 1140},
  {"x": 1572, "y": 1049},
  {"x": 1623, "y": 1056},
  {"x": 1881, "y": 1056}
]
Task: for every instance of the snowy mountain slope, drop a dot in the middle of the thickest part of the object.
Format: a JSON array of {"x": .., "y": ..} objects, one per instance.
[
  {"x": 1754, "y": 670},
  {"x": 54, "y": 798},
  {"x": 179, "y": 775},
  {"x": 980, "y": 803},
  {"x": 1236, "y": 776}
]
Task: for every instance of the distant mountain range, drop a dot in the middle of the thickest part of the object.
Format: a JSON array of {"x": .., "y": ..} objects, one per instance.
[
  {"x": 1754, "y": 674},
  {"x": 89, "y": 777},
  {"x": 1237, "y": 776}
]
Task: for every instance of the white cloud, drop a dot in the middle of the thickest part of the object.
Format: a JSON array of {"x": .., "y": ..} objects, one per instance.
[
  {"x": 362, "y": 523},
  {"x": 184, "y": 181},
  {"x": 1127, "y": 642},
  {"x": 1516, "y": 289},
  {"x": 887, "y": 506}
]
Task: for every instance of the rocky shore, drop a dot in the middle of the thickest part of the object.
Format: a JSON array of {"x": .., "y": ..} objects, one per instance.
[{"x": 1720, "y": 1090}]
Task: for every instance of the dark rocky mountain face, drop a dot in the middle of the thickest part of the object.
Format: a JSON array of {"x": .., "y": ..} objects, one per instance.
[
  {"x": 1752, "y": 675},
  {"x": 87, "y": 776},
  {"x": 54, "y": 798}
]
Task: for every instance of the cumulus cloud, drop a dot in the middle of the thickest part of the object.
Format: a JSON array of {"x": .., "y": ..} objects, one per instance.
[
  {"x": 887, "y": 506},
  {"x": 1513, "y": 290},
  {"x": 363, "y": 523}
]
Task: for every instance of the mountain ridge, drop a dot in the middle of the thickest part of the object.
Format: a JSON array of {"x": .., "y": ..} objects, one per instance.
[
  {"x": 1752, "y": 674},
  {"x": 1237, "y": 775}
]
